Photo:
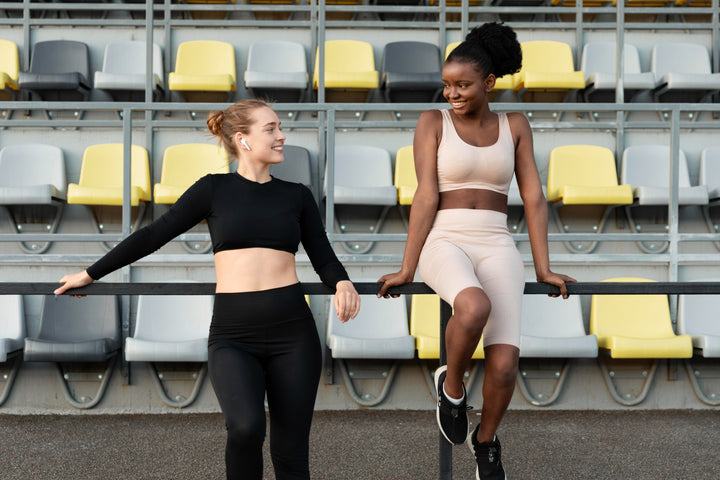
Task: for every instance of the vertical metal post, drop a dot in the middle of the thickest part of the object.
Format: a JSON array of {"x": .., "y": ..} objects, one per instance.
[
  {"x": 464, "y": 18},
  {"x": 330, "y": 173},
  {"x": 126, "y": 223},
  {"x": 445, "y": 450},
  {"x": 673, "y": 207}
]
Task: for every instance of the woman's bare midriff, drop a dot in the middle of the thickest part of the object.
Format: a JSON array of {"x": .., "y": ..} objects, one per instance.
[
  {"x": 473, "y": 198},
  {"x": 254, "y": 269}
]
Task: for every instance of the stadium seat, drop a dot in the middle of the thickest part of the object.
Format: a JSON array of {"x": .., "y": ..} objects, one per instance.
[
  {"x": 275, "y": 13},
  {"x": 583, "y": 188},
  {"x": 350, "y": 73},
  {"x": 411, "y": 72},
  {"x": 9, "y": 69},
  {"x": 516, "y": 208},
  {"x": 683, "y": 73},
  {"x": 204, "y": 71},
  {"x": 696, "y": 318},
  {"x": 379, "y": 332},
  {"x": 552, "y": 328},
  {"x": 182, "y": 166},
  {"x": 363, "y": 177},
  {"x": 296, "y": 167},
  {"x": 599, "y": 62},
  {"x": 634, "y": 327},
  {"x": 547, "y": 66},
  {"x": 647, "y": 169},
  {"x": 405, "y": 179},
  {"x": 33, "y": 190},
  {"x": 710, "y": 178},
  {"x": 123, "y": 71},
  {"x": 101, "y": 181},
  {"x": 172, "y": 330},
  {"x": 78, "y": 331},
  {"x": 59, "y": 71},
  {"x": 208, "y": 14},
  {"x": 12, "y": 337},
  {"x": 277, "y": 70},
  {"x": 425, "y": 328}
]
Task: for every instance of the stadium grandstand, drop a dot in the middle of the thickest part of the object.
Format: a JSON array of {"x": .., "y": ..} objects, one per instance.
[{"x": 103, "y": 127}]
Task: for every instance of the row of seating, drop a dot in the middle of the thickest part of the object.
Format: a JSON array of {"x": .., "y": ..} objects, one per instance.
[
  {"x": 410, "y": 71},
  {"x": 621, "y": 326},
  {"x": 581, "y": 178},
  {"x": 174, "y": 330}
]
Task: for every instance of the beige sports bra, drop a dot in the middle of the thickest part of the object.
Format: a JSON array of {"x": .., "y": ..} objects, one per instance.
[{"x": 460, "y": 165}]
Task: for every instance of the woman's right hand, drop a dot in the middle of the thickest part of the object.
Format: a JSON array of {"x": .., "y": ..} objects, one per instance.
[
  {"x": 393, "y": 280},
  {"x": 74, "y": 280}
]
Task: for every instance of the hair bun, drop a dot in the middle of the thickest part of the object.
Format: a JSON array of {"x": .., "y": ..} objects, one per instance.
[
  {"x": 215, "y": 122},
  {"x": 501, "y": 44}
]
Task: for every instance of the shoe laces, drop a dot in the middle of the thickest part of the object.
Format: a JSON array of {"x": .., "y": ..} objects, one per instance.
[
  {"x": 488, "y": 450},
  {"x": 454, "y": 410}
]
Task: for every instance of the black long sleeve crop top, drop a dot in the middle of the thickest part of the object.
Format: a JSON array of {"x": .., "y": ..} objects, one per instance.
[{"x": 241, "y": 214}]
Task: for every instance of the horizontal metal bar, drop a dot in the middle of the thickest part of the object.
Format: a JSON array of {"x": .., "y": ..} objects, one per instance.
[{"x": 367, "y": 288}]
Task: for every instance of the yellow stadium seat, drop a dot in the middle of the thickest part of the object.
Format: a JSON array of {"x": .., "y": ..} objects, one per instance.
[
  {"x": 204, "y": 70},
  {"x": 634, "y": 327},
  {"x": 101, "y": 180},
  {"x": 9, "y": 68},
  {"x": 425, "y": 327},
  {"x": 405, "y": 178},
  {"x": 350, "y": 71},
  {"x": 184, "y": 164},
  {"x": 547, "y": 66},
  {"x": 582, "y": 181}
]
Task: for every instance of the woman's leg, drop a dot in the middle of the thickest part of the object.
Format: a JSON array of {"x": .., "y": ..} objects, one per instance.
[
  {"x": 471, "y": 311},
  {"x": 293, "y": 375},
  {"x": 501, "y": 367},
  {"x": 239, "y": 383}
]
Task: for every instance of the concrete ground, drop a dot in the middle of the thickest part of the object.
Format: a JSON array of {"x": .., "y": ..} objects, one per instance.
[{"x": 368, "y": 445}]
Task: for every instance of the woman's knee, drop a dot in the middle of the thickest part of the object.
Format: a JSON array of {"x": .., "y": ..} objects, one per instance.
[
  {"x": 501, "y": 365},
  {"x": 245, "y": 431},
  {"x": 472, "y": 307}
]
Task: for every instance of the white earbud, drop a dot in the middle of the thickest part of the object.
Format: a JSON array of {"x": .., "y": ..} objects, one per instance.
[{"x": 244, "y": 144}]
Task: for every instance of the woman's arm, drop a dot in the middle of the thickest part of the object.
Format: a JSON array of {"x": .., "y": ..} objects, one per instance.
[
  {"x": 425, "y": 201},
  {"x": 535, "y": 205},
  {"x": 193, "y": 206},
  {"x": 323, "y": 259}
]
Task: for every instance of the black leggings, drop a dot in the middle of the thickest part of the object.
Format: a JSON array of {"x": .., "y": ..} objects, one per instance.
[{"x": 265, "y": 342}]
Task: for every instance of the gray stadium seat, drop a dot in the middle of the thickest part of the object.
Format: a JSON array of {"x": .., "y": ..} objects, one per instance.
[
  {"x": 33, "y": 187},
  {"x": 411, "y": 72},
  {"x": 12, "y": 336},
  {"x": 78, "y": 331},
  {"x": 172, "y": 329},
  {"x": 599, "y": 61},
  {"x": 380, "y": 331},
  {"x": 710, "y": 177},
  {"x": 647, "y": 169},
  {"x": 363, "y": 176},
  {"x": 278, "y": 70},
  {"x": 551, "y": 328},
  {"x": 296, "y": 167},
  {"x": 123, "y": 71},
  {"x": 59, "y": 71},
  {"x": 696, "y": 318},
  {"x": 683, "y": 73}
]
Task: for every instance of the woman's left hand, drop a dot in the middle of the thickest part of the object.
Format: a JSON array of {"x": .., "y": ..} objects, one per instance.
[
  {"x": 557, "y": 279},
  {"x": 347, "y": 300}
]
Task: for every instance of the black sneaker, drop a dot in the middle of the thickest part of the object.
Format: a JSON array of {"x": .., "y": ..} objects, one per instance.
[
  {"x": 488, "y": 458},
  {"x": 452, "y": 419}
]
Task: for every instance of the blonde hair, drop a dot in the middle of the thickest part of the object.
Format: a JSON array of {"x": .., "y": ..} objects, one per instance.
[{"x": 224, "y": 124}]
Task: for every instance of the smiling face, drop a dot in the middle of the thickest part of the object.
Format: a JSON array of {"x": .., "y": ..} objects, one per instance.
[
  {"x": 264, "y": 138},
  {"x": 466, "y": 88}
]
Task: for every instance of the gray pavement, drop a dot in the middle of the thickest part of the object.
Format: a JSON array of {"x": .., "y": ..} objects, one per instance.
[{"x": 368, "y": 445}]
